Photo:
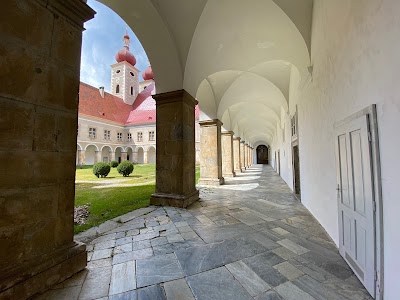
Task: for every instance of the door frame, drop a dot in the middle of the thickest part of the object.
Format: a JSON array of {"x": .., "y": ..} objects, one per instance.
[
  {"x": 371, "y": 114},
  {"x": 295, "y": 143}
]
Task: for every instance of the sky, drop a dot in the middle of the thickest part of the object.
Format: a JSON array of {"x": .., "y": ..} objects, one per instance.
[{"x": 102, "y": 39}]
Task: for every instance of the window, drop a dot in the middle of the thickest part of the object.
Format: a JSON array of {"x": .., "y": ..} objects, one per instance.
[
  {"x": 151, "y": 135},
  {"x": 132, "y": 74},
  {"x": 117, "y": 89},
  {"x": 129, "y": 137},
  {"x": 294, "y": 126},
  {"x": 107, "y": 135},
  {"x": 131, "y": 90},
  {"x": 119, "y": 136},
  {"x": 117, "y": 71},
  {"x": 92, "y": 133},
  {"x": 140, "y": 136}
]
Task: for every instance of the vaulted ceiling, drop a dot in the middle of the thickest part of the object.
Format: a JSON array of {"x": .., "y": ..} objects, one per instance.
[{"x": 237, "y": 58}]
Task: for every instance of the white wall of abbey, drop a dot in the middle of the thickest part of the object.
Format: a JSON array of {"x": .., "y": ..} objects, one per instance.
[{"x": 352, "y": 42}]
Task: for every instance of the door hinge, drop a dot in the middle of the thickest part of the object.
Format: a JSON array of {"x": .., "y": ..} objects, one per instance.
[{"x": 369, "y": 136}]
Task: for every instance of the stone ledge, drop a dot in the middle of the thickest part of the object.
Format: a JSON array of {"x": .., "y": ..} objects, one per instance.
[
  {"x": 229, "y": 175},
  {"x": 181, "y": 201},
  {"x": 211, "y": 181},
  {"x": 37, "y": 277}
]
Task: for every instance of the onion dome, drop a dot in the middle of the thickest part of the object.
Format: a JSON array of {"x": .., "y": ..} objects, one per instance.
[
  {"x": 148, "y": 74},
  {"x": 124, "y": 54}
]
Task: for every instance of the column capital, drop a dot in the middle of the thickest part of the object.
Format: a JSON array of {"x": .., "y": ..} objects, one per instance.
[
  {"x": 243, "y": 141},
  {"x": 214, "y": 122},
  {"x": 236, "y": 138},
  {"x": 231, "y": 133},
  {"x": 175, "y": 96},
  {"x": 76, "y": 12}
]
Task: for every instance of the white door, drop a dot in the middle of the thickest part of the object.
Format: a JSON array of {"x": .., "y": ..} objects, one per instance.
[{"x": 355, "y": 200}]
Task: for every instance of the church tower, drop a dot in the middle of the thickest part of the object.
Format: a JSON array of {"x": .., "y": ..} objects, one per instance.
[{"x": 124, "y": 75}]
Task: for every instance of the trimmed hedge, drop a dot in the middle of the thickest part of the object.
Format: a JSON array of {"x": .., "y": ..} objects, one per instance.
[
  {"x": 114, "y": 164},
  {"x": 125, "y": 168},
  {"x": 101, "y": 169}
]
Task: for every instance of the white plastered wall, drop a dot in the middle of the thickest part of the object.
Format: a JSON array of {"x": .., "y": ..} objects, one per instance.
[{"x": 355, "y": 58}]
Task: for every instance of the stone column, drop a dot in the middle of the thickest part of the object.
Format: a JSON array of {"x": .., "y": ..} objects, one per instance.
[
  {"x": 252, "y": 156},
  {"x": 236, "y": 155},
  {"x": 248, "y": 156},
  {"x": 175, "y": 151},
  {"x": 41, "y": 50},
  {"x": 227, "y": 154},
  {"x": 124, "y": 156},
  {"x": 112, "y": 155},
  {"x": 97, "y": 157},
  {"x": 210, "y": 153},
  {"x": 243, "y": 155},
  {"x": 79, "y": 156},
  {"x": 145, "y": 157}
]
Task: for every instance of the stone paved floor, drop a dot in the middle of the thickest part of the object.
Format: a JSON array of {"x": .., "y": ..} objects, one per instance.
[{"x": 249, "y": 239}]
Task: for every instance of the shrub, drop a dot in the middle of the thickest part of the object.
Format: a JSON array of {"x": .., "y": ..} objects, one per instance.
[
  {"x": 101, "y": 169},
  {"x": 114, "y": 164},
  {"x": 125, "y": 168}
]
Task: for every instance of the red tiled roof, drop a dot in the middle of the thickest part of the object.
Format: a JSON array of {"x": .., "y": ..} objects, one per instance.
[{"x": 112, "y": 108}]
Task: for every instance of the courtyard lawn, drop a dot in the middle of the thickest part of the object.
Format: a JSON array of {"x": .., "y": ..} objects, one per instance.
[
  {"x": 108, "y": 203},
  {"x": 140, "y": 174}
]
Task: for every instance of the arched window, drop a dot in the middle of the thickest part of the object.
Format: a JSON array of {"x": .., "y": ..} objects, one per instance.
[
  {"x": 117, "y": 89},
  {"x": 131, "y": 90}
]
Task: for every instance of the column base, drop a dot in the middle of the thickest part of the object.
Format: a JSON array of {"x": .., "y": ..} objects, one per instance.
[
  {"x": 36, "y": 277},
  {"x": 211, "y": 181},
  {"x": 181, "y": 201},
  {"x": 229, "y": 175}
]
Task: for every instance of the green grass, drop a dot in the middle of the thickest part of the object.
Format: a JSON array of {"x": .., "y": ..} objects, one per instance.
[
  {"x": 108, "y": 203},
  {"x": 140, "y": 174}
]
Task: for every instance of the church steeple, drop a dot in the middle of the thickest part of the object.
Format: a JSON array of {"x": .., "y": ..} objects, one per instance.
[{"x": 124, "y": 76}]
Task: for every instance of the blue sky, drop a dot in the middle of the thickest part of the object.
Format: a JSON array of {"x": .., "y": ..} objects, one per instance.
[{"x": 102, "y": 39}]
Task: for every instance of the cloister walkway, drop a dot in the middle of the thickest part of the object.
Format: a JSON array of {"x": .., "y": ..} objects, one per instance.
[{"x": 249, "y": 239}]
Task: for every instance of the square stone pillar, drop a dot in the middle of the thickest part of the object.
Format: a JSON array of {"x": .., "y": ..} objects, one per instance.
[
  {"x": 243, "y": 155},
  {"x": 79, "y": 154},
  {"x": 237, "y": 163},
  {"x": 248, "y": 156},
  {"x": 210, "y": 153},
  {"x": 227, "y": 154},
  {"x": 97, "y": 157},
  {"x": 145, "y": 157},
  {"x": 112, "y": 155},
  {"x": 252, "y": 156},
  {"x": 39, "y": 69},
  {"x": 124, "y": 156},
  {"x": 175, "y": 151}
]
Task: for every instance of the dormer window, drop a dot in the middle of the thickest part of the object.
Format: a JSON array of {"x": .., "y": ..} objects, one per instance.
[{"x": 117, "y": 89}]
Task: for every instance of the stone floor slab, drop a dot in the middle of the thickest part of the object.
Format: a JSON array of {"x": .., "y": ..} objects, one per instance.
[
  {"x": 248, "y": 278},
  {"x": 154, "y": 292},
  {"x": 289, "y": 291},
  {"x": 158, "y": 269},
  {"x": 178, "y": 290},
  {"x": 123, "y": 278},
  {"x": 202, "y": 258},
  {"x": 217, "y": 284}
]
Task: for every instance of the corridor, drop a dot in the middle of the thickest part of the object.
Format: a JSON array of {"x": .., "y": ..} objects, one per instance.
[{"x": 248, "y": 239}]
